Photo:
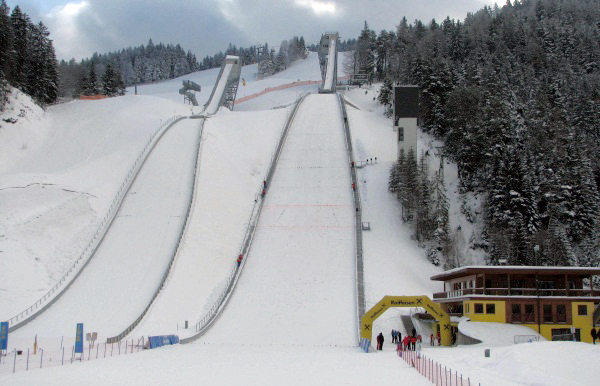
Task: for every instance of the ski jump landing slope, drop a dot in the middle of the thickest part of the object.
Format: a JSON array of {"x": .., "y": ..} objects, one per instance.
[
  {"x": 298, "y": 282},
  {"x": 123, "y": 275}
]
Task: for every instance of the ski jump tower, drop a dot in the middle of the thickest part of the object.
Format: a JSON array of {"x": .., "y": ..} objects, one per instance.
[
  {"x": 328, "y": 49},
  {"x": 225, "y": 90}
]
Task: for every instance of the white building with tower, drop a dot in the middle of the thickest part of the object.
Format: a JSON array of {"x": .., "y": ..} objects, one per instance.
[{"x": 406, "y": 112}]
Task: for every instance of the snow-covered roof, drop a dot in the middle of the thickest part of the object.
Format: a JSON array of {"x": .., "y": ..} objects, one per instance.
[{"x": 474, "y": 269}]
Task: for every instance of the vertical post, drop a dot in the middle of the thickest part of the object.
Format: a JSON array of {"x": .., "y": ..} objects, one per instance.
[
  {"x": 72, "y": 353},
  {"x": 42, "y": 358},
  {"x": 15, "y": 362},
  {"x": 27, "y": 367},
  {"x": 61, "y": 342},
  {"x": 97, "y": 347},
  {"x": 104, "y": 349},
  {"x": 63, "y": 357}
]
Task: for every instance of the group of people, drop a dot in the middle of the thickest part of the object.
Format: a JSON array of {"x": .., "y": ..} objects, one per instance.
[
  {"x": 432, "y": 339},
  {"x": 410, "y": 342}
]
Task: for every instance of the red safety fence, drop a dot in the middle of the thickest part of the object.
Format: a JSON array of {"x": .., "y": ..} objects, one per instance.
[
  {"x": 283, "y": 87},
  {"x": 23, "y": 360},
  {"x": 91, "y": 97},
  {"x": 434, "y": 371}
]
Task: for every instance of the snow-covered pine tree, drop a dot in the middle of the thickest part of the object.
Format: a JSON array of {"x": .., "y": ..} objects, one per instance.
[
  {"x": 91, "y": 85},
  {"x": 20, "y": 23},
  {"x": 425, "y": 224},
  {"x": 112, "y": 83},
  {"x": 385, "y": 96}
]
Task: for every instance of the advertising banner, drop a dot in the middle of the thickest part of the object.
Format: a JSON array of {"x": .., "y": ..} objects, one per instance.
[
  {"x": 79, "y": 339},
  {"x": 162, "y": 340},
  {"x": 3, "y": 335}
]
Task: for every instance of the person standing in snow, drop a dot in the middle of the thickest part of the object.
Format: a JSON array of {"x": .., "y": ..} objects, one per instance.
[
  {"x": 380, "y": 340},
  {"x": 439, "y": 338},
  {"x": 393, "y": 336},
  {"x": 431, "y": 341},
  {"x": 594, "y": 335},
  {"x": 239, "y": 260},
  {"x": 405, "y": 343}
]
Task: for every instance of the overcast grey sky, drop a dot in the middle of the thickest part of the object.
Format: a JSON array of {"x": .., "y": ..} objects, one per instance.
[{"x": 81, "y": 27}]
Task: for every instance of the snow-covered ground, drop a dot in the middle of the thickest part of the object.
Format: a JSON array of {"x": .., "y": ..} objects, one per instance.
[{"x": 61, "y": 168}]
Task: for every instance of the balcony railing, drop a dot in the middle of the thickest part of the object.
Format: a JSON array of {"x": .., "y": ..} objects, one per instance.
[{"x": 516, "y": 292}]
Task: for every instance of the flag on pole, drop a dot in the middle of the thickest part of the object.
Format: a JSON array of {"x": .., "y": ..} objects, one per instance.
[{"x": 35, "y": 345}]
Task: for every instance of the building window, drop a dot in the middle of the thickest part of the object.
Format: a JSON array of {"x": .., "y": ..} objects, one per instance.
[
  {"x": 561, "y": 313},
  {"x": 582, "y": 310},
  {"x": 529, "y": 313},
  {"x": 478, "y": 308},
  {"x": 547, "y": 313},
  {"x": 490, "y": 308},
  {"x": 516, "y": 313}
]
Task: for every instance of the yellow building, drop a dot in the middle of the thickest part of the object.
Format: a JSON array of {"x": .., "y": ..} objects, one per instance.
[{"x": 550, "y": 300}]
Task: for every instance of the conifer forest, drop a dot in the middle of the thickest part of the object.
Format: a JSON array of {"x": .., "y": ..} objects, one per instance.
[{"x": 514, "y": 93}]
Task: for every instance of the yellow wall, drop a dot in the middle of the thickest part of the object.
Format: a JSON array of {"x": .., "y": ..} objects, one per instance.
[
  {"x": 584, "y": 322},
  {"x": 498, "y": 317}
]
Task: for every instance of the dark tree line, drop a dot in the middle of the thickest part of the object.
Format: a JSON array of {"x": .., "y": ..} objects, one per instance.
[
  {"x": 144, "y": 64},
  {"x": 514, "y": 92},
  {"x": 425, "y": 204},
  {"x": 27, "y": 57},
  {"x": 270, "y": 63}
]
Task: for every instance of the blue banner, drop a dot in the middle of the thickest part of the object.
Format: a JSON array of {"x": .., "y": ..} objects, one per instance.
[
  {"x": 3, "y": 335},
  {"x": 162, "y": 340},
  {"x": 79, "y": 339}
]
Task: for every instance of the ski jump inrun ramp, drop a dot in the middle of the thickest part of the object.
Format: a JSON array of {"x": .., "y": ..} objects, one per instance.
[{"x": 328, "y": 61}]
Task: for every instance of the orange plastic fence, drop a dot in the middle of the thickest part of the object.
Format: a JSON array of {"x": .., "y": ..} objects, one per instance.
[
  {"x": 282, "y": 87},
  {"x": 92, "y": 97}
]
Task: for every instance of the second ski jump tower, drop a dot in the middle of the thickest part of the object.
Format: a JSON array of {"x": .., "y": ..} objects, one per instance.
[
  {"x": 328, "y": 61},
  {"x": 225, "y": 90}
]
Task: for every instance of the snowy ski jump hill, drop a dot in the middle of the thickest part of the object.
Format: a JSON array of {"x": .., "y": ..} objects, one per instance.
[{"x": 292, "y": 318}]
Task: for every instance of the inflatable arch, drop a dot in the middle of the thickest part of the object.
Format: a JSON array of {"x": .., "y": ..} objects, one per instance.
[{"x": 366, "y": 329}]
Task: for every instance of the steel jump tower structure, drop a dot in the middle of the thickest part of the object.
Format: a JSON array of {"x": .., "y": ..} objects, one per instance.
[{"x": 328, "y": 60}]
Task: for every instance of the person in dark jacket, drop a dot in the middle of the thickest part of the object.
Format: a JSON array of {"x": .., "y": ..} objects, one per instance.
[
  {"x": 594, "y": 335},
  {"x": 380, "y": 340}
]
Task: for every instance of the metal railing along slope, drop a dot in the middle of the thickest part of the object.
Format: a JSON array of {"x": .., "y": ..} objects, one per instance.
[
  {"x": 84, "y": 258},
  {"x": 182, "y": 231},
  {"x": 360, "y": 286},
  {"x": 219, "y": 306}
]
